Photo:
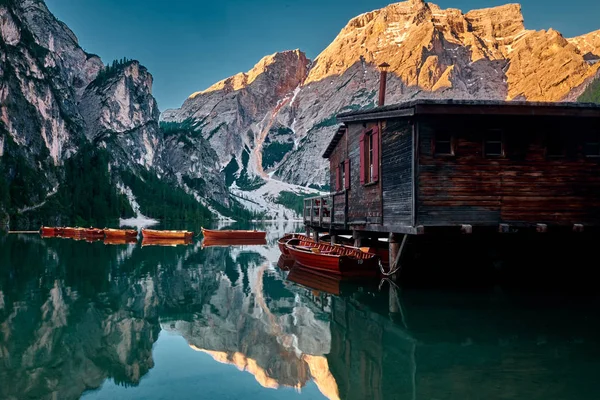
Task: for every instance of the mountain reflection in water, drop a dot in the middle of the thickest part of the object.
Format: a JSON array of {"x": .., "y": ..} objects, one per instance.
[{"x": 99, "y": 321}]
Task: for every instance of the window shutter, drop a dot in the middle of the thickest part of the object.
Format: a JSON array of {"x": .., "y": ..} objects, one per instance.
[
  {"x": 347, "y": 175},
  {"x": 375, "y": 134},
  {"x": 363, "y": 159},
  {"x": 338, "y": 179}
]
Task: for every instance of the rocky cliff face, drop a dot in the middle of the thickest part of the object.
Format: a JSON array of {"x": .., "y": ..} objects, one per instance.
[
  {"x": 55, "y": 100},
  {"x": 482, "y": 54}
]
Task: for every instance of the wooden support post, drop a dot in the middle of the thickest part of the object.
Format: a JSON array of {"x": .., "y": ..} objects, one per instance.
[
  {"x": 312, "y": 212},
  {"x": 346, "y": 207},
  {"x": 357, "y": 236},
  {"x": 394, "y": 248},
  {"x": 541, "y": 228},
  {"x": 466, "y": 229},
  {"x": 332, "y": 212},
  {"x": 307, "y": 231},
  {"x": 504, "y": 228},
  {"x": 578, "y": 228},
  {"x": 321, "y": 211},
  {"x": 333, "y": 238},
  {"x": 316, "y": 235}
]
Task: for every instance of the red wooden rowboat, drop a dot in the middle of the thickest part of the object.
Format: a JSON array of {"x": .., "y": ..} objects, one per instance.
[
  {"x": 48, "y": 232},
  {"x": 93, "y": 232},
  {"x": 152, "y": 234},
  {"x": 233, "y": 234},
  {"x": 338, "y": 260},
  {"x": 72, "y": 232},
  {"x": 120, "y": 233},
  {"x": 289, "y": 236},
  {"x": 208, "y": 242}
]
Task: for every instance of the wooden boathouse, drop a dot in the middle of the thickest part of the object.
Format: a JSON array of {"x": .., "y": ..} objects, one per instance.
[{"x": 429, "y": 166}]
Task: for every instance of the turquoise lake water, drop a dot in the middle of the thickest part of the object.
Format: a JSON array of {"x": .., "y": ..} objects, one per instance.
[{"x": 95, "y": 321}]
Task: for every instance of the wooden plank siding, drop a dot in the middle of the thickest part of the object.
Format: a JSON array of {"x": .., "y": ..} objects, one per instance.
[
  {"x": 525, "y": 186},
  {"x": 364, "y": 201},
  {"x": 397, "y": 172}
]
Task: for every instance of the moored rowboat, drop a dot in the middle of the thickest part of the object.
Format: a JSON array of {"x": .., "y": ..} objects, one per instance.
[
  {"x": 338, "y": 260},
  {"x": 212, "y": 234},
  {"x": 208, "y": 242},
  {"x": 46, "y": 231},
  {"x": 120, "y": 233},
  {"x": 152, "y": 234},
  {"x": 72, "y": 232},
  {"x": 94, "y": 232},
  {"x": 289, "y": 236}
]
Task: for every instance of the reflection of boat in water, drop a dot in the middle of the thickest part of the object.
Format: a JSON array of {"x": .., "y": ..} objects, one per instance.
[
  {"x": 212, "y": 234},
  {"x": 321, "y": 282},
  {"x": 120, "y": 233},
  {"x": 338, "y": 260},
  {"x": 285, "y": 263},
  {"x": 209, "y": 242},
  {"x": 119, "y": 240},
  {"x": 166, "y": 242},
  {"x": 153, "y": 234}
]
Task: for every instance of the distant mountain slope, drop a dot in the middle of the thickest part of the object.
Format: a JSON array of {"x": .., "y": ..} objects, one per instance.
[{"x": 483, "y": 54}]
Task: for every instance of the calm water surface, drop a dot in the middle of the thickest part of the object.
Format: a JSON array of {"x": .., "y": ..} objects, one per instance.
[{"x": 95, "y": 321}]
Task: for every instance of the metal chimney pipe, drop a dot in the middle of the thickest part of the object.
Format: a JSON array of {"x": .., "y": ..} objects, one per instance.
[{"x": 382, "y": 83}]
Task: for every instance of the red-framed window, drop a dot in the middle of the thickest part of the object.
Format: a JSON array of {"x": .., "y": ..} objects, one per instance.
[
  {"x": 369, "y": 156},
  {"x": 342, "y": 176}
]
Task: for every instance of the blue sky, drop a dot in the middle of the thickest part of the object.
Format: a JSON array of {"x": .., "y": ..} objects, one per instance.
[{"x": 190, "y": 44}]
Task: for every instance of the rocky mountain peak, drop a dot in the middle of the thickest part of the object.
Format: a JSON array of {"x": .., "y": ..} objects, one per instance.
[{"x": 285, "y": 66}]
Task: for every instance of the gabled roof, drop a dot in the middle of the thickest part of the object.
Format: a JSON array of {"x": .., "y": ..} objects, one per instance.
[
  {"x": 472, "y": 107},
  {"x": 334, "y": 141}
]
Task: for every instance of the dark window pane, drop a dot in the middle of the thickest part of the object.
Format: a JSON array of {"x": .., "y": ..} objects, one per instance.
[
  {"x": 591, "y": 146},
  {"x": 556, "y": 145},
  {"x": 493, "y": 148},
  {"x": 443, "y": 147},
  {"x": 443, "y": 143},
  {"x": 591, "y": 149},
  {"x": 493, "y": 143}
]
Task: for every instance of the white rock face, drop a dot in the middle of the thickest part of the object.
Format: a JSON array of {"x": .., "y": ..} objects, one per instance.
[{"x": 9, "y": 30}]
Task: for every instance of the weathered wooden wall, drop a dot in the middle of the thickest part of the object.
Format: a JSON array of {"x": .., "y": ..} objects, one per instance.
[
  {"x": 525, "y": 186},
  {"x": 364, "y": 200},
  {"x": 397, "y": 177}
]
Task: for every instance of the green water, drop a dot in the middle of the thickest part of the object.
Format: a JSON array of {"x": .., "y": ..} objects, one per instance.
[{"x": 92, "y": 321}]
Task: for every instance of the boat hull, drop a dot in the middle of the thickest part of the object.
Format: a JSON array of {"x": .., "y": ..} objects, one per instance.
[
  {"x": 152, "y": 234},
  {"x": 338, "y": 260},
  {"x": 209, "y": 242},
  {"x": 120, "y": 233},
  {"x": 211, "y": 234},
  {"x": 286, "y": 238},
  {"x": 48, "y": 232},
  {"x": 94, "y": 233}
]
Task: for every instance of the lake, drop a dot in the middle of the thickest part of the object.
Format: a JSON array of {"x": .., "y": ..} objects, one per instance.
[{"x": 95, "y": 321}]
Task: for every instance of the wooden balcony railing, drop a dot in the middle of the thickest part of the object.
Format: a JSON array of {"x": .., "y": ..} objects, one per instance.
[{"x": 327, "y": 211}]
